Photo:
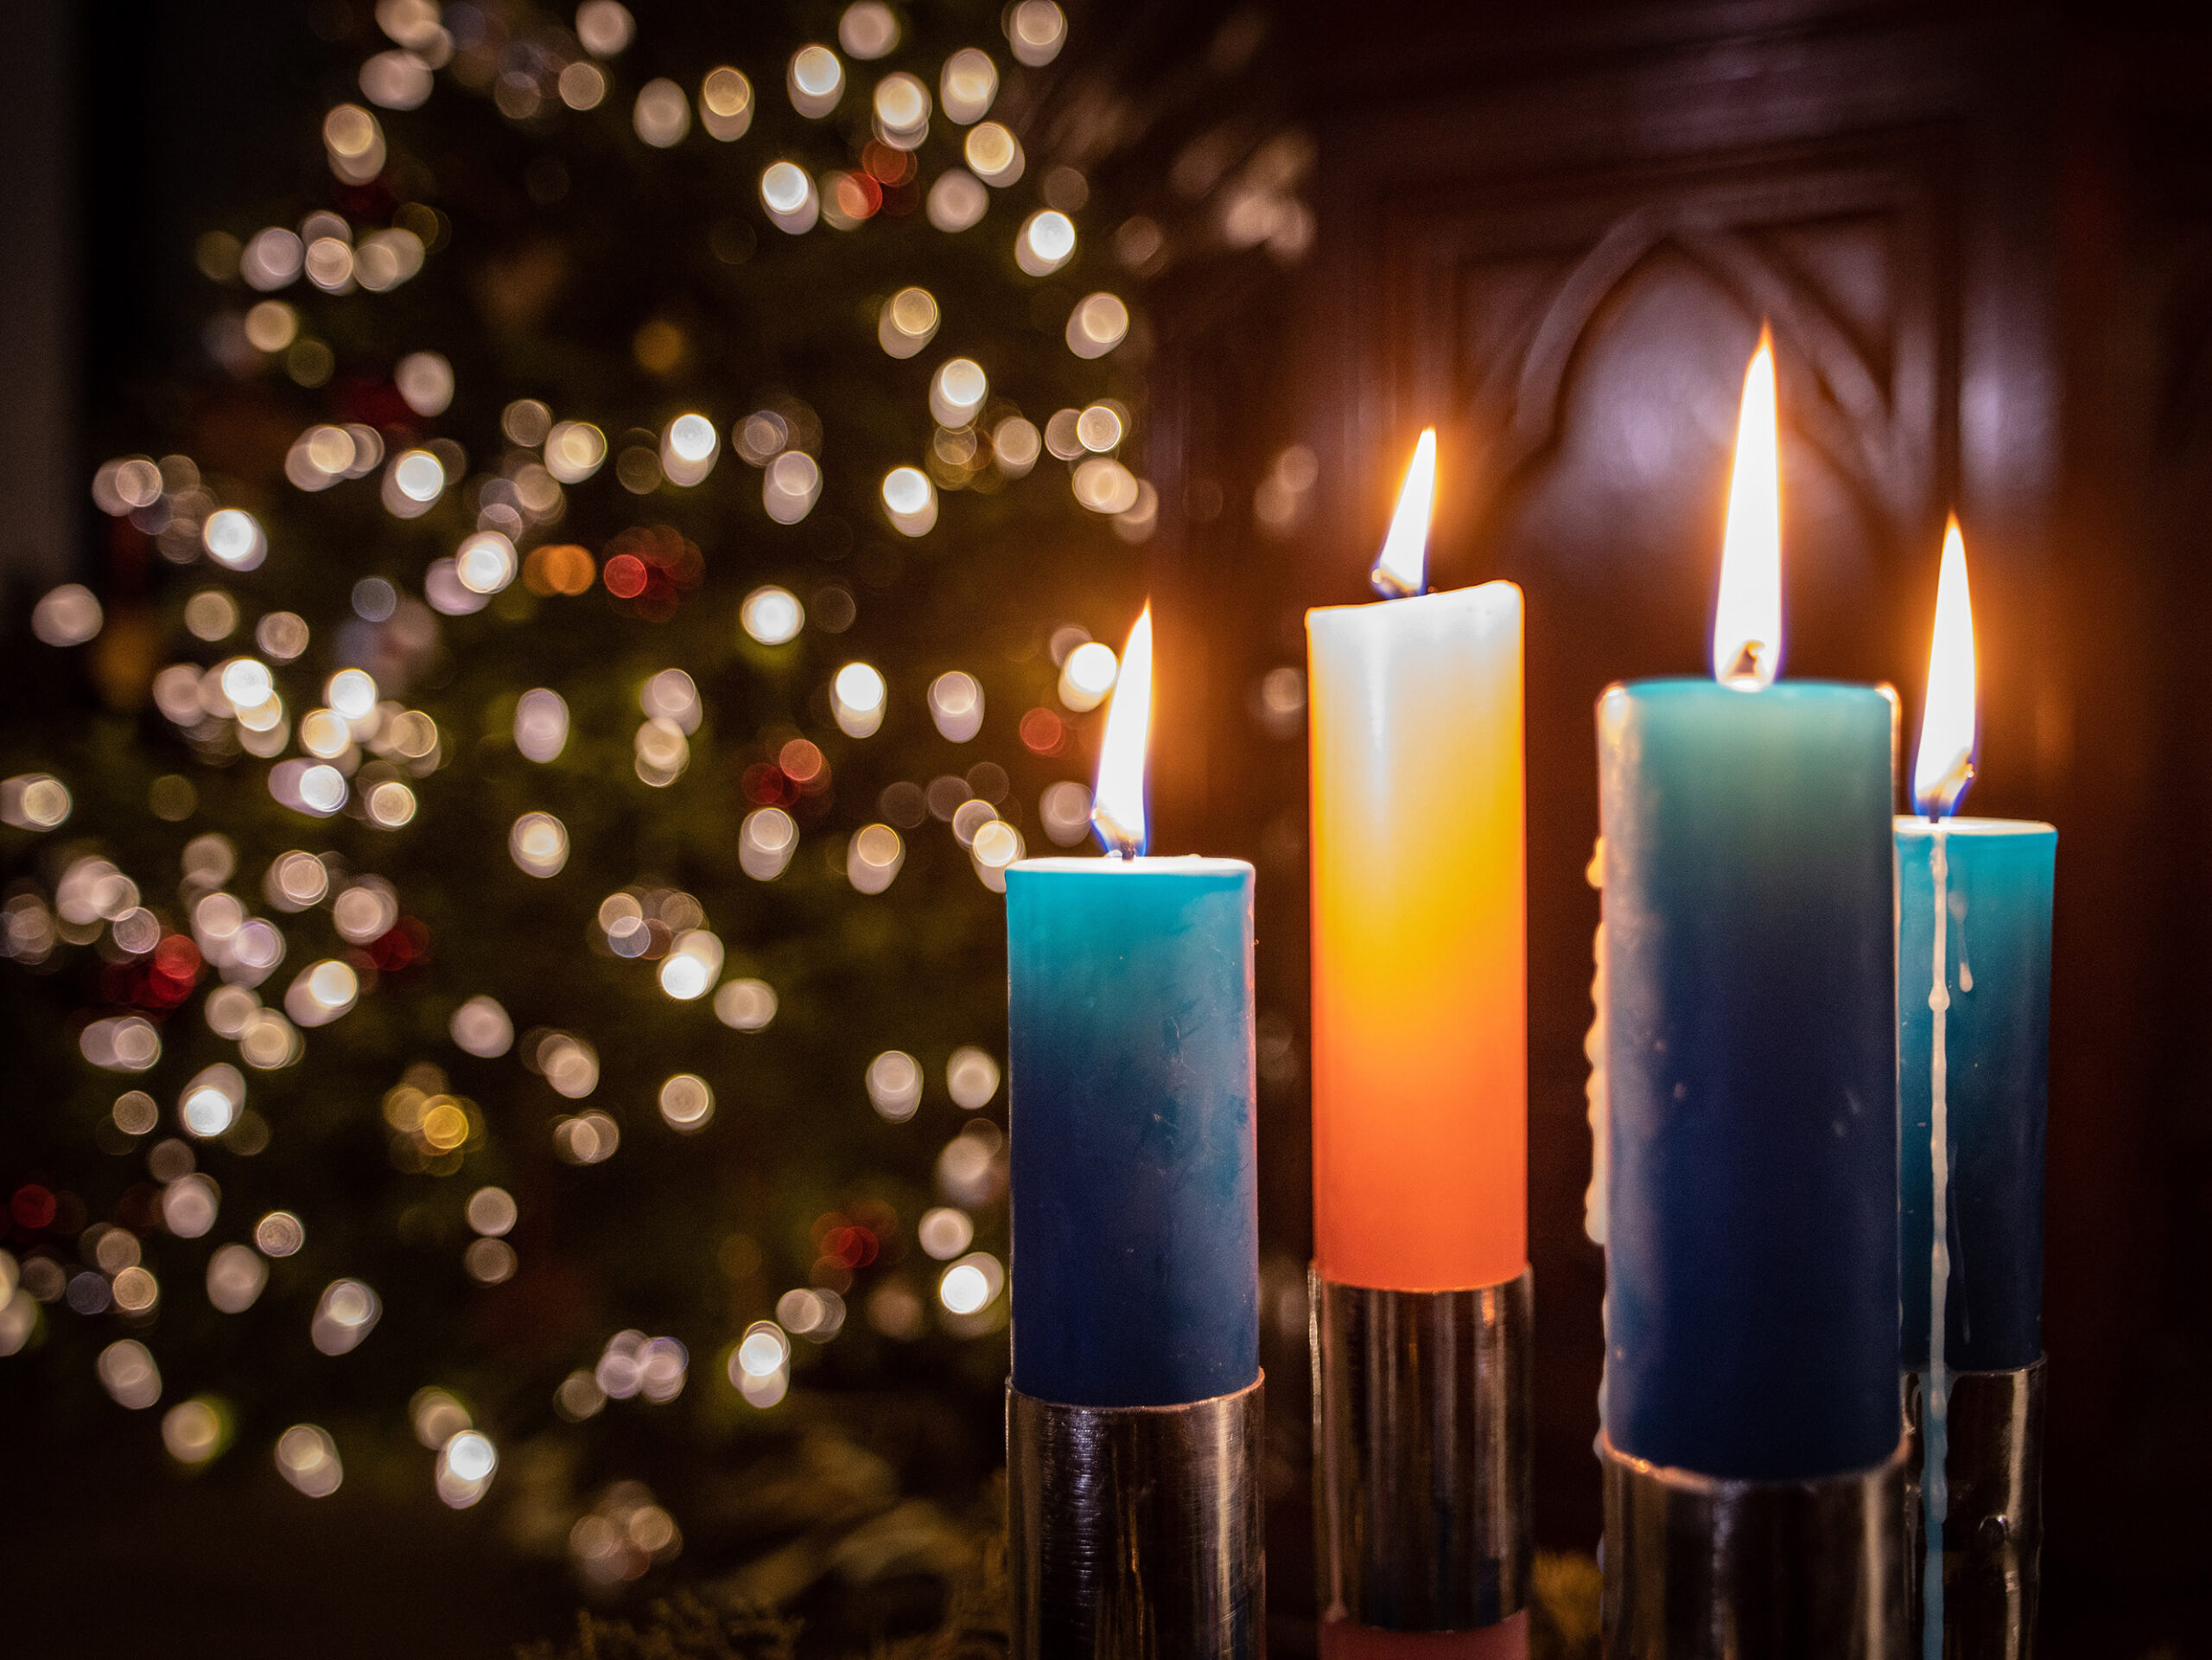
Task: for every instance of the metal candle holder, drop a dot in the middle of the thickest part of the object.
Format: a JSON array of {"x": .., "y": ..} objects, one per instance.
[
  {"x": 1698, "y": 1568},
  {"x": 1135, "y": 1533},
  {"x": 1422, "y": 1454},
  {"x": 1993, "y": 1527}
]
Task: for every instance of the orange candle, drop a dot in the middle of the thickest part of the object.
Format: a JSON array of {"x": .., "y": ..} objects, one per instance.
[{"x": 1420, "y": 926}]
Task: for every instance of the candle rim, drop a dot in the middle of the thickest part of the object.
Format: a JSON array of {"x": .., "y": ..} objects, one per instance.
[
  {"x": 1475, "y": 595},
  {"x": 1783, "y": 689},
  {"x": 1196, "y": 864},
  {"x": 1970, "y": 825}
]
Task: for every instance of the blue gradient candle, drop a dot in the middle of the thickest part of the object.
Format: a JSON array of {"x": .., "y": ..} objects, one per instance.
[
  {"x": 1135, "y": 1256},
  {"x": 1973, "y": 946},
  {"x": 1751, "y": 1275}
]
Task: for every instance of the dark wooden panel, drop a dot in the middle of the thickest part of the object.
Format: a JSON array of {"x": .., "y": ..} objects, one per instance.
[{"x": 1553, "y": 232}]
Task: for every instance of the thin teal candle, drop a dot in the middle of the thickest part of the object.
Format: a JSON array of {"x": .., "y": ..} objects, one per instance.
[
  {"x": 1751, "y": 1276},
  {"x": 1135, "y": 1260},
  {"x": 1993, "y": 992}
]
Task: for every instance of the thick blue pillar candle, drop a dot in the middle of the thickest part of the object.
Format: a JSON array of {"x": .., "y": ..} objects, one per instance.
[
  {"x": 1135, "y": 1261},
  {"x": 1751, "y": 1279},
  {"x": 1996, "y": 996}
]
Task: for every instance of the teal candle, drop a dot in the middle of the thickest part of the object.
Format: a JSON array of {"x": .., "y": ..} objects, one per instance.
[
  {"x": 1751, "y": 1277},
  {"x": 1135, "y": 1257},
  {"x": 1973, "y": 1045},
  {"x": 1974, "y": 953}
]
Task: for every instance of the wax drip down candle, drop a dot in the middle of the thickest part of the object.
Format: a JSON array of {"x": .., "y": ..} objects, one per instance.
[
  {"x": 1973, "y": 1008},
  {"x": 1751, "y": 1430},
  {"x": 1134, "y": 1409},
  {"x": 1422, "y": 1294}
]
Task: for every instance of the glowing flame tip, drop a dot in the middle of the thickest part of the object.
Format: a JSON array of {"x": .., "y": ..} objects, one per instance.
[
  {"x": 1747, "y": 619},
  {"x": 1117, "y": 805},
  {"x": 1401, "y": 569},
  {"x": 1945, "y": 765}
]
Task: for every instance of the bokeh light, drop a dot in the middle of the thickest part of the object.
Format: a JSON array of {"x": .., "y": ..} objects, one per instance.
[
  {"x": 857, "y": 699},
  {"x": 772, "y": 615},
  {"x": 943, "y": 1232},
  {"x": 788, "y": 193},
  {"x": 235, "y": 1275},
  {"x": 907, "y": 321},
  {"x": 605, "y": 27},
  {"x": 196, "y": 1431},
  {"x": 233, "y": 540},
  {"x": 538, "y": 843},
  {"x": 766, "y": 841},
  {"x": 279, "y": 1234},
  {"x": 958, "y": 200},
  {"x": 480, "y": 1025},
  {"x": 745, "y": 1005},
  {"x": 790, "y": 485},
  {"x": 467, "y": 1464},
  {"x": 868, "y": 30},
  {"x": 128, "y": 1373},
  {"x": 687, "y": 1103},
  {"x": 726, "y": 104},
  {"x": 1047, "y": 241},
  {"x": 957, "y": 705},
  {"x": 910, "y": 500},
  {"x": 1098, "y": 324},
  {"x": 1088, "y": 675},
  {"x": 895, "y": 1084},
  {"x": 901, "y": 105},
  {"x": 346, "y": 1314},
  {"x": 971, "y": 1284},
  {"x": 872, "y": 858},
  {"x": 35, "y": 801},
  {"x": 662, "y": 114},
  {"x": 816, "y": 81},
  {"x": 971, "y": 1077},
  {"x": 425, "y": 382},
  {"x": 1035, "y": 30},
  {"x": 993, "y": 154},
  {"x": 967, "y": 86},
  {"x": 307, "y": 1457},
  {"x": 67, "y": 616}
]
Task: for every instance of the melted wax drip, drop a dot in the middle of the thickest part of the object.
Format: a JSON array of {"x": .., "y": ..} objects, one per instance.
[{"x": 1935, "y": 1436}]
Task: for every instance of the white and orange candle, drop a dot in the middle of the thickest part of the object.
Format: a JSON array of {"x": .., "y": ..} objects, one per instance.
[{"x": 1420, "y": 926}]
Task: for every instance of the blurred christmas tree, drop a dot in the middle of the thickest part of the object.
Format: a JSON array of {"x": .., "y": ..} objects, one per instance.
[{"x": 501, "y": 880}]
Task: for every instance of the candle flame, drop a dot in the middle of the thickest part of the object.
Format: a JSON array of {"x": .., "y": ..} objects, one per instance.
[
  {"x": 1945, "y": 765},
  {"x": 1747, "y": 621},
  {"x": 1117, "y": 805},
  {"x": 1401, "y": 569}
]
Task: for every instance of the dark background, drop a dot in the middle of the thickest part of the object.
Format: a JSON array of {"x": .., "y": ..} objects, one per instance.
[{"x": 1983, "y": 234}]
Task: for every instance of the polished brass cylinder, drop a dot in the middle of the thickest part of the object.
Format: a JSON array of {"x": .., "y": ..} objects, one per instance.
[
  {"x": 1698, "y": 1568},
  {"x": 1422, "y": 1460},
  {"x": 1993, "y": 1523},
  {"x": 1135, "y": 1533}
]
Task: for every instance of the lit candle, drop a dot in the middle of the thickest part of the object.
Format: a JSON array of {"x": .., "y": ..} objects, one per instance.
[
  {"x": 1751, "y": 1285},
  {"x": 1419, "y": 976},
  {"x": 1973, "y": 1040},
  {"x": 1423, "y": 1299},
  {"x": 1135, "y": 1265}
]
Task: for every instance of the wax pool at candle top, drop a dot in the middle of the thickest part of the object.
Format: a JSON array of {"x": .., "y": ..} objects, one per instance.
[
  {"x": 1751, "y": 1289},
  {"x": 1996, "y": 1032},
  {"x": 1419, "y": 978},
  {"x": 1135, "y": 1264}
]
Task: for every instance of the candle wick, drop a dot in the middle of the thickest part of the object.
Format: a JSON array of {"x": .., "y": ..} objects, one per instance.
[
  {"x": 1388, "y": 584},
  {"x": 1943, "y": 801}
]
